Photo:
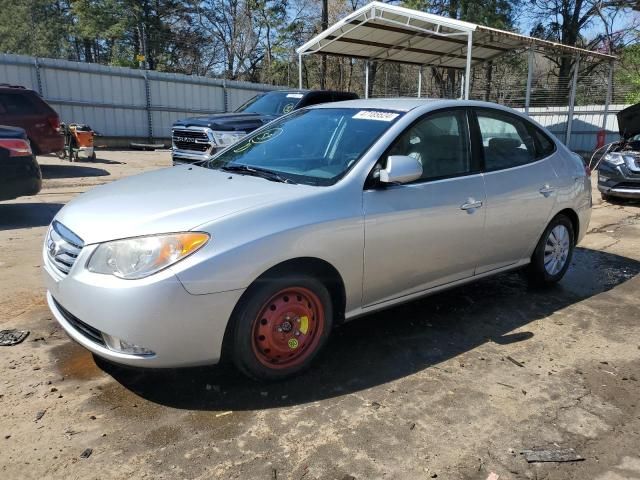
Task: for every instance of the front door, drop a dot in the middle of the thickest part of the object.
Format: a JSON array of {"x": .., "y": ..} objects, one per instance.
[{"x": 426, "y": 233}]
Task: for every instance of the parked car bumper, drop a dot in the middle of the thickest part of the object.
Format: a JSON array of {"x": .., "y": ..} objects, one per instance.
[
  {"x": 156, "y": 313},
  {"x": 180, "y": 157},
  {"x": 618, "y": 181},
  {"x": 47, "y": 144},
  {"x": 20, "y": 177}
]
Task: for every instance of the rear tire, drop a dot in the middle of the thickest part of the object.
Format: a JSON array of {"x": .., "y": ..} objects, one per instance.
[
  {"x": 552, "y": 256},
  {"x": 280, "y": 326}
]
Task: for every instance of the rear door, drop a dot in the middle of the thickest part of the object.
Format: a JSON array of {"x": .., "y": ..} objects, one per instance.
[
  {"x": 425, "y": 233},
  {"x": 521, "y": 186}
]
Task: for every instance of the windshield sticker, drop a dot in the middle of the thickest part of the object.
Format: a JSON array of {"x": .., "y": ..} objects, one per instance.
[
  {"x": 294, "y": 95},
  {"x": 242, "y": 148},
  {"x": 288, "y": 107},
  {"x": 374, "y": 115},
  {"x": 260, "y": 138},
  {"x": 267, "y": 135}
]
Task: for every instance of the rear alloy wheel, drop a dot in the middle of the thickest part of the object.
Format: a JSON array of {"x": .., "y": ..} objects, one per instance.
[
  {"x": 281, "y": 326},
  {"x": 553, "y": 253}
]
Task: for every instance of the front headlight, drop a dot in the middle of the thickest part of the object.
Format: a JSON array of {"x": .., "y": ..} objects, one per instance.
[
  {"x": 614, "y": 159},
  {"x": 140, "y": 257},
  {"x": 227, "y": 138}
]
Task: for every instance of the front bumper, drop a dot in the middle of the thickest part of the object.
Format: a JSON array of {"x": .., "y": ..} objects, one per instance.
[
  {"x": 181, "y": 157},
  {"x": 618, "y": 181},
  {"x": 156, "y": 313}
]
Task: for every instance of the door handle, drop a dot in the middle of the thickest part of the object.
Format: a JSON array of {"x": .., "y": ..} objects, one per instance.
[
  {"x": 546, "y": 190},
  {"x": 471, "y": 205}
]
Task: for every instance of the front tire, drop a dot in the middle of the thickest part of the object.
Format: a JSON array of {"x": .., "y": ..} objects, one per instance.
[
  {"x": 552, "y": 256},
  {"x": 281, "y": 326}
]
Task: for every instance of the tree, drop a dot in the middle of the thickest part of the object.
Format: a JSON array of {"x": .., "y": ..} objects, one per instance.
[
  {"x": 36, "y": 27},
  {"x": 628, "y": 73},
  {"x": 564, "y": 21}
]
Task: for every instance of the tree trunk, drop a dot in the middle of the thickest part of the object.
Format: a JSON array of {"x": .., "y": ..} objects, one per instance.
[
  {"x": 489, "y": 75},
  {"x": 323, "y": 62},
  {"x": 86, "y": 44}
]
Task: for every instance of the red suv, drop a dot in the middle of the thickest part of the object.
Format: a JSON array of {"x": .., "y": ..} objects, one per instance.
[{"x": 21, "y": 107}]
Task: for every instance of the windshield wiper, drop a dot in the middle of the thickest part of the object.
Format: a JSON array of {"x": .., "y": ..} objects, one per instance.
[{"x": 257, "y": 172}]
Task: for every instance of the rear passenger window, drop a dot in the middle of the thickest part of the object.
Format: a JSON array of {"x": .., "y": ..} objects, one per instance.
[
  {"x": 506, "y": 140},
  {"x": 16, "y": 104},
  {"x": 544, "y": 145},
  {"x": 440, "y": 142}
]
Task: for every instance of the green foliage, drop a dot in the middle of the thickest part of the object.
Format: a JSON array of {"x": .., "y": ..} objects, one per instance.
[
  {"x": 491, "y": 13},
  {"x": 628, "y": 73},
  {"x": 36, "y": 27}
]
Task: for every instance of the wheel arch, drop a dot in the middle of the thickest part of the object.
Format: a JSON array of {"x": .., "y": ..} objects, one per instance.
[
  {"x": 575, "y": 221},
  {"x": 320, "y": 269}
]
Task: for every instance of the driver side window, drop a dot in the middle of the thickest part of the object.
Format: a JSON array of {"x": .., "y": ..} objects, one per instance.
[{"x": 440, "y": 142}]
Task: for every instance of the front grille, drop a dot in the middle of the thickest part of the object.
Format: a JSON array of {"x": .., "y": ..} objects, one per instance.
[
  {"x": 194, "y": 140},
  {"x": 63, "y": 247},
  {"x": 196, "y": 147},
  {"x": 88, "y": 331}
]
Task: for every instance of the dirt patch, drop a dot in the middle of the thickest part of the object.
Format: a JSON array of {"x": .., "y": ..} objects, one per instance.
[{"x": 420, "y": 390}]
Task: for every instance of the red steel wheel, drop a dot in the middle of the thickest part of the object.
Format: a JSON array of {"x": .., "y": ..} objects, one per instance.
[{"x": 288, "y": 328}]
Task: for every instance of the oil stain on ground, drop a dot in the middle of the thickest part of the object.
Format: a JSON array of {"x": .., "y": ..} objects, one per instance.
[{"x": 75, "y": 362}]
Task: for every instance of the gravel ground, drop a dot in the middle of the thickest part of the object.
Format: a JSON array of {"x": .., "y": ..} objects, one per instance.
[{"x": 454, "y": 386}]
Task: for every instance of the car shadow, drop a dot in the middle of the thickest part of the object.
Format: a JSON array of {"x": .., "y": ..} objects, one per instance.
[
  {"x": 27, "y": 215},
  {"x": 104, "y": 161},
  {"x": 389, "y": 345},
  {"x": 71, "y": 171}
]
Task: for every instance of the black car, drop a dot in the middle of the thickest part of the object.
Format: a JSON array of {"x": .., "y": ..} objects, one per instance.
[
  {"x": 19, "y": 171},
  {"x": 197, "y": 138},
  {"x": 619, "y": 170}
]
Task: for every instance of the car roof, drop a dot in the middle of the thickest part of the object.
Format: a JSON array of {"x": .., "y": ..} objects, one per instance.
[
  {"x": 14, "y": 88},
  {"x": 397, "y": 104},
  {"x": 405, "y": 104},
  {"x": 7, "y": 131},
  {"x": 305, "y": 91}
]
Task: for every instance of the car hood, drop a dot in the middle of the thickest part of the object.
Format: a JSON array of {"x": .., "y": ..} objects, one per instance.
[
  {"x": 244, "y": 122},
  {"x": 629, "y": 121},
  {"x": 169, "y": 200}
]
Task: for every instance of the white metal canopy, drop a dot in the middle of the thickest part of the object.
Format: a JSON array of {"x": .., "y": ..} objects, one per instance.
[{"x": 389, "y": 33}]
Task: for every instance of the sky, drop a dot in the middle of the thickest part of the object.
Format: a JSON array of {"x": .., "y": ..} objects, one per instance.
[{"x": 624, "y": 21}]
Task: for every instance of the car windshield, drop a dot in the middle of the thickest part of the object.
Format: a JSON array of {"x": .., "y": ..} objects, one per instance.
[
  {"x": 272, "y": 103},
  {"x": 314, "y": 147}
]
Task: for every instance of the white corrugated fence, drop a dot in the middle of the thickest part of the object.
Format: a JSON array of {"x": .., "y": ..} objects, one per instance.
[
  {"x": 128, "y": 103},
  {"x": 124, "y": 102}
]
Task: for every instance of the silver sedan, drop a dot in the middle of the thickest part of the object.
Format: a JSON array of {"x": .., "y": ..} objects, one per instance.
[{"x": 322, "y": 216}]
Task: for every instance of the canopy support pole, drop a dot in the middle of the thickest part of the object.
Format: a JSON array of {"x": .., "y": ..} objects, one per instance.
[
  {"x": 572, "y": 99},
  {"x": 420, "y": 81},
  {"x": 300, "y": 71},
  {"x": 366, "y": 79},
  {"x": 607, "y": 100},
  {"x": 527, "y": 100},
  {"x": 467, "y": 74}
]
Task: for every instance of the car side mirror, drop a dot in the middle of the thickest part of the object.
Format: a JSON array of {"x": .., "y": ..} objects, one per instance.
[{"x": 401, "y": 169}]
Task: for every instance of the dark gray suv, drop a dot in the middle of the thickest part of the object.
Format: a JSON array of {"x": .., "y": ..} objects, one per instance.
[{"x": 619, "y": 170}]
